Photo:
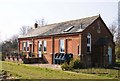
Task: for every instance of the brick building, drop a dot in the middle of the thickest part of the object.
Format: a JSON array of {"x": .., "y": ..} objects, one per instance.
[{"x": 88, "y": 39}]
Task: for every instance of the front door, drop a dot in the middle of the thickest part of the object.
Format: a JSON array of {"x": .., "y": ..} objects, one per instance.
[
  {"x": 110, "y": 54},
  {"x": 40, "y": 49}
]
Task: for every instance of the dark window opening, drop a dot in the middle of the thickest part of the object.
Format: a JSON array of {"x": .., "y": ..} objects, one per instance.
[
  {"x": 45, "y": 49},
  {"x": 78, "y": 49},
  {"x": 24, "y": 49},
  {"x": 44, "y": 46},
  {"x": 88, "y": 48},
  {"x": 27, "y": 48},
  {"x": 88, "y": 40},
  {"x": 40, "y": 48}
]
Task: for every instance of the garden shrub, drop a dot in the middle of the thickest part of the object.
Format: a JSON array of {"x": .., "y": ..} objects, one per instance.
[
  {"x": 65, "y": 66},
  {"x": 74, "y": 64}
]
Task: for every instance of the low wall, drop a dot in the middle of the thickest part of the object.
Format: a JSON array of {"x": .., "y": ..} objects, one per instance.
[
  {"x": 25, "y": 60},
  {"x": 14, "y": 59}
]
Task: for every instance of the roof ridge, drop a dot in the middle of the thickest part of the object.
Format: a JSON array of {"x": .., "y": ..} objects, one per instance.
[
  {"x": 73, "y": 20},
  {"x": 58, "y": 28}
]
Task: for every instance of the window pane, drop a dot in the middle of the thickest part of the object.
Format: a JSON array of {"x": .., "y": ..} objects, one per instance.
[
  {"x": 45, "y": 46},
  {"x": 27, "y": 48},
  {"x": 24, "y": 46},
  {"x": 39, "y": 45},
  {"x": 88, "y": 40},
  {"x": 88, "y": 49},
  {"x": 78, "y": 49},
  {"x": 62, "y": 46}
]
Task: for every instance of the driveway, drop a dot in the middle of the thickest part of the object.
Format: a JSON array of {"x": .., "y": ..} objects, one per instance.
[{"x": 52, "y": 66}]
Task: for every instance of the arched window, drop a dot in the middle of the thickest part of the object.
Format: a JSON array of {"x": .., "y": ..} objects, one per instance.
[{"x": 89, "y": 43}]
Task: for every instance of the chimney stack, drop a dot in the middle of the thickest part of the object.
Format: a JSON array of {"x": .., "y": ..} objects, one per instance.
[{"x": 36, "y": 25}]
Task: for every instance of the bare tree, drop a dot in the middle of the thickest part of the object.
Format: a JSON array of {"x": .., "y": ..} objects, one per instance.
[
  {"x": 113, "y": 28},
  {"x": 41, "y": 22},
  {"x": 10, "y": 45},
  {"x": 14, "y": 37},
  {"x": 24, "y": 29}
]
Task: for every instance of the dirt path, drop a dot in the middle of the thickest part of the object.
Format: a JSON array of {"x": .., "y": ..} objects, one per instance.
[{"x": 52, "y": 66}]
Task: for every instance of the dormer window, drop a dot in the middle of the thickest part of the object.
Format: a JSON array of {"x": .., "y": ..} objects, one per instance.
[
  {"x": 68, "y": 29},
  {"x": 88, "y": 43}
]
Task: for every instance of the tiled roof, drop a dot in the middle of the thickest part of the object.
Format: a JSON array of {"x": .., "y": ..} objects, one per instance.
[{"x": 72, "y": 26}]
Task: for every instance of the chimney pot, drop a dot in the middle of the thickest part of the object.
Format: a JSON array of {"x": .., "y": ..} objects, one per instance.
[{"x": 36, "y": 25}]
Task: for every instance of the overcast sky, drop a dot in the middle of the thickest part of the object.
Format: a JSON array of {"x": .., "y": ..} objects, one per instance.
[{"x": 17, "y": 13}]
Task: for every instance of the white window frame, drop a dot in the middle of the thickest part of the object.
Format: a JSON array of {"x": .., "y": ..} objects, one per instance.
[
  {"x": 39, "y": 44},
  {"x": 89, "y": 43},
  {"x": 68, "y": 29},
  {"x": 62, "y": 45},
  {"x": 24, "y": 46},
  {"x": 27, "y": 46},
  {"x": 44, "y": 46}
]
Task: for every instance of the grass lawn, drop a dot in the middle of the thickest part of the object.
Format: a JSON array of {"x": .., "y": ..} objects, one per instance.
[
  {"x": 111, "y": 73},
  {"x": 23, "y": 71},
  {"x": 118, "y": 61}
]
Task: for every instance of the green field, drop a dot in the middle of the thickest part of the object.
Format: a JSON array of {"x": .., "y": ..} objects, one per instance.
[
  {"x": 111, "y": 73},
  {"x": 23, "y": 71}
]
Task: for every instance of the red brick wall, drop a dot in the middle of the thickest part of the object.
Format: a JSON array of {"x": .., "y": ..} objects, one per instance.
[
  {"x": 69, "y": 46},
  {"x": 56, "y": 45},
  {"x": 71, "y": 42},
  {"x": 47, "y": 55},
  {"x": 20, "y": 47},
  {"x": 36, "y": 47},
  {"x": 49, "y": 46},
  {"x": 75, "y": 44},
  {"x": 95, "y": 36}
]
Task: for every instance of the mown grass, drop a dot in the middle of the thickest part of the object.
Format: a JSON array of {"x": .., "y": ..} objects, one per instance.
[
  {"x": 118, "y": 61},
  {"x": 23, "y": 71},
  {"x": 111, "y": 73}
]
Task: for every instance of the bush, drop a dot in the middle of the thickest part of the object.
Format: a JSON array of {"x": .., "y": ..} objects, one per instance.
[
  {"x": 65, "y": 66},
  {"x": 77, "y": 64},
  {"x": 74, "y": 64}
]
